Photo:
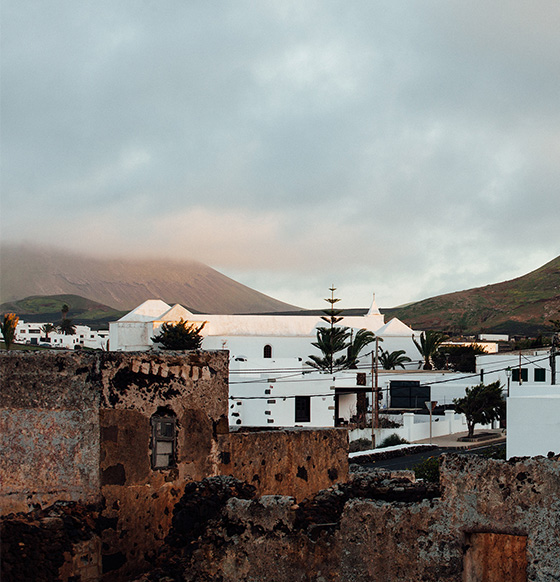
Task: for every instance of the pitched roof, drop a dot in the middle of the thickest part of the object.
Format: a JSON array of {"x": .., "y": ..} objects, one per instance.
[
  {"x": 147, "y": 311},
  {"x": 395, "y": 327},
  {"x": 176, "y": 313}
]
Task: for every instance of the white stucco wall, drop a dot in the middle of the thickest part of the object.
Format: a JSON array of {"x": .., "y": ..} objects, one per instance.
[
  {"x": 494, "y": 366},
  {"x": 533, "y": 424},
  {"x": 251, "y": 406}
]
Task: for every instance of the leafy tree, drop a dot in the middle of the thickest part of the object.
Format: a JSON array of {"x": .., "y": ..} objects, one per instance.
[
  {"x": 428, "y": 346},
  {"x": 8, "y": 328},
  {"x": 47, "y": 329},
  {"x": 67, "y": 327},
  {"x": 481, "y": 404},
  {"x": 458, "y": 358},
  {"x": 390, "y": 361},
  {"x": 180, "y": 336}
]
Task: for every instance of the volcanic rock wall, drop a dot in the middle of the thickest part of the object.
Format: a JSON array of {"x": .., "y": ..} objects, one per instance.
[
  {"x": 49, "y": 430},
  {"x": 495, "y": 521},
  {"x": 78, "y": 428},
  {"x": 289, "y": 462}
]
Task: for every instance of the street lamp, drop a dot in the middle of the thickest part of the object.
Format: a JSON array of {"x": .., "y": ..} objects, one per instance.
[{"x": 508, "y": 374}]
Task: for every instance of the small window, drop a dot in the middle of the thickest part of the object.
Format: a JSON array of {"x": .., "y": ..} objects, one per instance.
[
  {"x": 164, "y": 441},
  {"x": 267, "y": 352},
  {"x": 540, "y": 375},
  {"x": 361, "y": 379},
  {"x": 303, "y": 408},
  {"x": 515, "y": 375}
]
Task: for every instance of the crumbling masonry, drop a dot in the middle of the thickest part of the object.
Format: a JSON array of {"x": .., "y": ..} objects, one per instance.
[
  {"x": 82, "y": 500},
  {"x": 80, "y": 429}
]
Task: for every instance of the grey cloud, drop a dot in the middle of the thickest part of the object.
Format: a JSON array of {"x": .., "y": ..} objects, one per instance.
[{"x": 406, "y": 136}]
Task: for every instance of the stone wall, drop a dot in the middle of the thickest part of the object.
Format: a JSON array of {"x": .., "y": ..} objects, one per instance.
[
  {"x": 49, "y": 430},
  {"x": 289, "y": 462},
  {"x": 76, "y": 427},
  {"x": 56, "y": 544},
  {"x": 137, "y": 499},
  {"x": 495, "y": 521}
]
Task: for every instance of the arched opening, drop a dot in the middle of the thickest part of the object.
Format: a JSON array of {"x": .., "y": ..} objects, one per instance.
[{"x": 267, "y": 352}]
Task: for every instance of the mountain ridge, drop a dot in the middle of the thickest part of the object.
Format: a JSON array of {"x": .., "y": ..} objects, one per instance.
[
  {"x": 523, "y": 305},
  {"x": 125, "y": 283}
]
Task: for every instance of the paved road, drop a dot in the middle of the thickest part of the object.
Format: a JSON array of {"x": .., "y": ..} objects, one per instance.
[{"x": 409, "y": 461}]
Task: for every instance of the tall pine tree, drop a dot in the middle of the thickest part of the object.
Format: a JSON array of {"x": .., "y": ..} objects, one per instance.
[{"x": 331, "y": 340}]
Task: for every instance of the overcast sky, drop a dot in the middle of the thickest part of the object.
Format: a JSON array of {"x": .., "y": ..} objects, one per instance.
[{"x": 407, "y": 148}]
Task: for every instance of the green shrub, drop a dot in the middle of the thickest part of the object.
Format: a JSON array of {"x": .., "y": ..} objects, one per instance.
[
  {"x": 359, "y": 445},
  {"x": 428, "y": 470},
  {"x": 385, "y": 422},
  {"x": 391, "y": 440}
]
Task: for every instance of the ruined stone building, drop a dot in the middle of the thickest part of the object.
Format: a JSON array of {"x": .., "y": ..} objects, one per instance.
[
  {"x": 122, "y": 434},
  {"x": 120, "y": 466}
]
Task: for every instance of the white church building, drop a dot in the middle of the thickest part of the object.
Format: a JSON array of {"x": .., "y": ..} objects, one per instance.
[{"x": 270, "y": 382}]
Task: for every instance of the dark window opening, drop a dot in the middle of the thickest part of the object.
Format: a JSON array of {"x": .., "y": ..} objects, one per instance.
[
  {"x": 267, "y": 352},
  {"x": 164, "y": 440},
  {"x": 540, "y": 375},
  {"x": 408, "y": 394},
  {"x": 361, "y": 379},
  {"x": 303, "y": 408}
]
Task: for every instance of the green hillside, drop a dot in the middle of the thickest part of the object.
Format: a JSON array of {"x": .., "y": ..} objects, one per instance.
[
  {"x": 45, "y": 309},
  {"x": 522, "y": 306}
]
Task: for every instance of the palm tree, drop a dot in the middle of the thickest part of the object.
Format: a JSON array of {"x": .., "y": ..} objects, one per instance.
[
  {"x": 390, "y": 361},
  {"x": 67, "y": 327},
  {"x": 47, "y": 329},
  {"x": 428, "y": 346},
  {"x": 8, "y": 328},
  {"x": 362, "y": 338}
]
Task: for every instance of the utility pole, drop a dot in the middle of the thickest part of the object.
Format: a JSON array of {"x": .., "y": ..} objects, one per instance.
[
  {"x": 376, "y": 382},
  {"x": 374, "y": 392},
  {"x": 372, "y": 401},
  {"x": 553, "y": 352}
]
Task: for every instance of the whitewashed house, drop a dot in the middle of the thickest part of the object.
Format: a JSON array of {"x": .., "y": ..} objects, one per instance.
[
  {"x": 85, "y": 337},
  {"x": 533, "y": 404}
]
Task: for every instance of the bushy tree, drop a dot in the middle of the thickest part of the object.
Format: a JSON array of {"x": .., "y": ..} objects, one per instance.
[
  {"x": 428, "y": 346},
  {"x": 180, "y": 336},
  {"x": 8, "y": 328},
  {"x": 390, "y": 361},
  {"x": 458, "y": 358},
  {"x": 481, "y": 404}
]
